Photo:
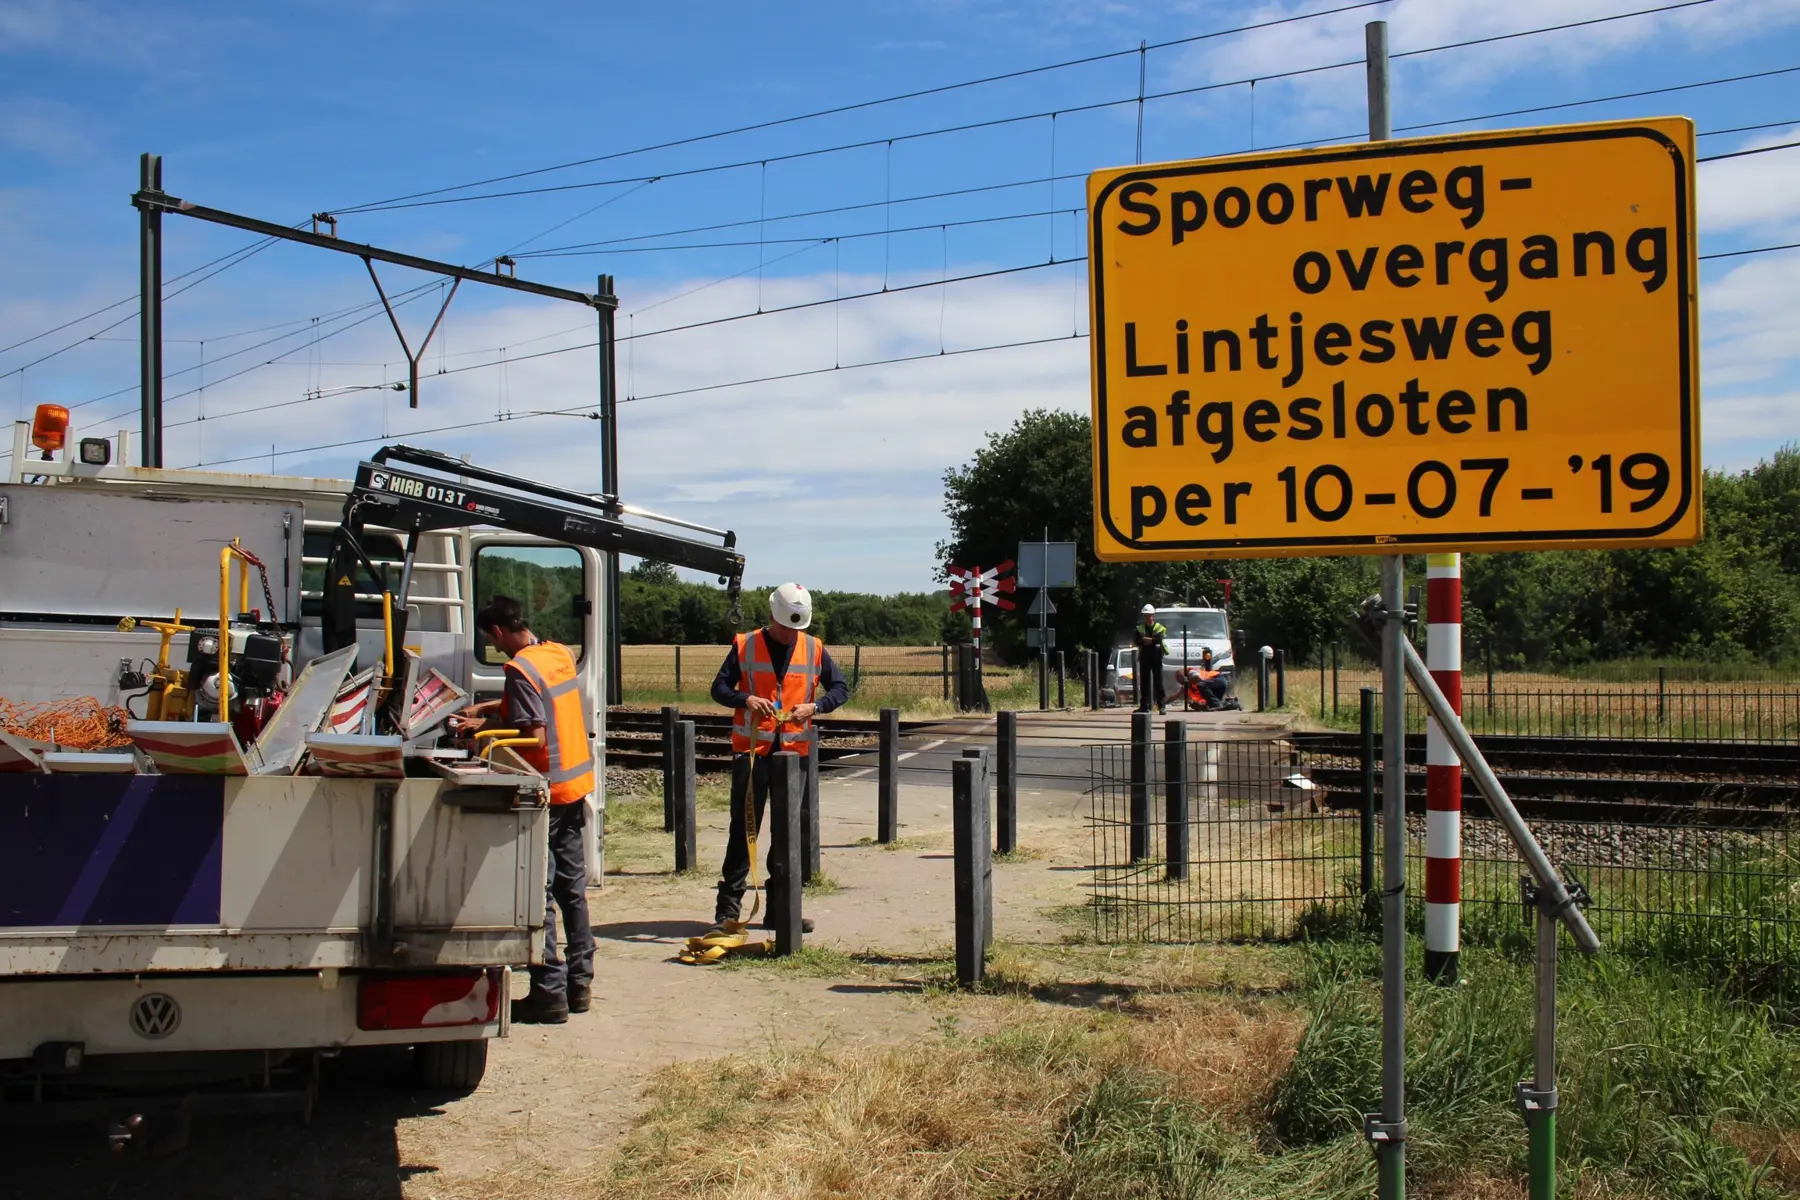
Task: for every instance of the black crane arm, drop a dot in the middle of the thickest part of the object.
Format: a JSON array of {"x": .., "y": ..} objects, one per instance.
[{"x": 434, "y": 491}]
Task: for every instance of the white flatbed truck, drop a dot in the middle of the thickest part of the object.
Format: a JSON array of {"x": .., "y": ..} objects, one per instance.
[{"x": 172, "y": 944}]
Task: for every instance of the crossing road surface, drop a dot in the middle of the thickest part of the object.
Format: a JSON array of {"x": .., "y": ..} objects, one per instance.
[{"x": 1054, "y": 747}]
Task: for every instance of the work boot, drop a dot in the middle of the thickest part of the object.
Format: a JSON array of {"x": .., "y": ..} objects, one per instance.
[
  {"x": 580, "y": 997},
  {"x": 539, "y": 1009},
  {"x": 806, "y": 925}
]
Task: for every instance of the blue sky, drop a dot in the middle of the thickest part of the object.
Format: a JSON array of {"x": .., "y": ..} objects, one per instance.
[{"x": 831, "y": 477}]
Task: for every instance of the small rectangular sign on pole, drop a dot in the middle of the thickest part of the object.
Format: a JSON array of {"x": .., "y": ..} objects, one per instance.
[
  {"x": 1046, "y": 564},
  {"x": 1485, "y": 341}
]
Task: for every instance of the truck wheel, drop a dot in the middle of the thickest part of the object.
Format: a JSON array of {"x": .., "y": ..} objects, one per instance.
[{"x": 450, "y": 1066}]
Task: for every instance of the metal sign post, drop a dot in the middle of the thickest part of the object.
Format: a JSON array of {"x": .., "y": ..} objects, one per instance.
[
  {"x": 1387, "y": 1129},
  {"x": 1045, "y": 564}
]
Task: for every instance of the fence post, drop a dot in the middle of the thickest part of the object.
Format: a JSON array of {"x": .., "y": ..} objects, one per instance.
[
  {"x": 1321, "y": 683},
  {"x": 1175, "y": 798},
  {"x": 1062, "y": 696},
  {"x": 1006, "y": 775},
  {"x": 1281, "y": 679},
  {"x": 980, "y": 755},
  {"x": 856, "y": 671},
  {"x": 787, "y": 795},
  {"x": 887, "y": 785},
  {"x": 809, "y": 817},
  {"x": 1366, "y": 826},
  {"x": 670, "y": 715},
  {"x": 1334, "y": 679},
  {"x": 678, "y": 668},
  {"x": 944, "y": 652},
  {"x": 686, "y": 833},
  {"x": 1662, "y": 695},
  {"x": 1095, "y": 680},
  {"x": 1140, "y": 786},
  {"x": 1490, "y": 672},
  {"x": 974, "y": 870}
]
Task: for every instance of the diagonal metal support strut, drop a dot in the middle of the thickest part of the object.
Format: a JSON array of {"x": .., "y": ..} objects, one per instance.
[{"x": 412, "y": 359}]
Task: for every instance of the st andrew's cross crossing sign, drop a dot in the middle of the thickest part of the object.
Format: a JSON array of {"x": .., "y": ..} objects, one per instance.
[
  {"x": 973, "y": 587},
  {"x": 1475, "y": 342}
]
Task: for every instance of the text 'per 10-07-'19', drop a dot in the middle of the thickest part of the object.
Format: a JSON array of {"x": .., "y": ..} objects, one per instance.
[{"x": 1478, "y": 342}]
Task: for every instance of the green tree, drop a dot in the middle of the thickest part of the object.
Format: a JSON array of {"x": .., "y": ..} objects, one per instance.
[{"x": 649, "y": 570}]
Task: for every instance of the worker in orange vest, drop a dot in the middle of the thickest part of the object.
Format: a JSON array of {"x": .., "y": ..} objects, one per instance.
[
  {"x": 1204, "y": 684},
  {"x": 776, "y": 669},
  {"x": 542, "y": 700}
]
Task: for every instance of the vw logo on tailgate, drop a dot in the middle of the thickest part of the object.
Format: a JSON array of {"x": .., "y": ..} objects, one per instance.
[{"x": 155, "y": 1015}]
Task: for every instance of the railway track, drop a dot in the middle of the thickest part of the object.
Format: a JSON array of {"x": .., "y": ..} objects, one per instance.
[
  {"x": 1576, "y": 756},
  {"x": 1582, "y": 779},
  {"x": 634, "y": 738}
]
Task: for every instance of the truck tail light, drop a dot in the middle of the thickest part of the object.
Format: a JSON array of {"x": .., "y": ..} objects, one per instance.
[{"x": 428, "y": 1001}]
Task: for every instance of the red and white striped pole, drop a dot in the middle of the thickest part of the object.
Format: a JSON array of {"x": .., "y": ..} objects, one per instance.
[
  {"x": 1443, "y": 772},
  {"x": 974, "y": 578}
]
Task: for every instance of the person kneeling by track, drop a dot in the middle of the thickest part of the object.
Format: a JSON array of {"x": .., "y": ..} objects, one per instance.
[{"x": 1205, "y": 686}]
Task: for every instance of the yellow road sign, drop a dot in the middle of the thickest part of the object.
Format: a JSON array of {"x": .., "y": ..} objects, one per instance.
[{"x": 1477, "y": 342}]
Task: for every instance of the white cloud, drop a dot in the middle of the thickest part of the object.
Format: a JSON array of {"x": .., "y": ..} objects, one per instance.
[
  {"x": 1774, "y": 416},
  {"x": 1746, "y": 320}
]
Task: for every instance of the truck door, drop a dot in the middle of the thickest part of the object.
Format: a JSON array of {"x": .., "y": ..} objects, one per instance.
[{"x": 559, "y": 587}]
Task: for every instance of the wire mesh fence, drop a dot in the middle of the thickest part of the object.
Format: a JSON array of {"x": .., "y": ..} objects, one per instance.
[
  {"x": 1251, "y": 856},
  {"x": 1709, "y": 886},
  {"x": 1669, "y": 701}
]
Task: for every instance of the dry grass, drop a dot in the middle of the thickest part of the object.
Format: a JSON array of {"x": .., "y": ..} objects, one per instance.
[{"x": 958, "y": 1115}]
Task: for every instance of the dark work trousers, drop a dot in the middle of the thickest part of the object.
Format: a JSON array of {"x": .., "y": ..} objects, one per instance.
[
  {"x": 1212, "y": 691},
  {"x": 566, "y": 887},
  {"x": 748, "y": 773},
  {"x": 1149, "y": 681}
]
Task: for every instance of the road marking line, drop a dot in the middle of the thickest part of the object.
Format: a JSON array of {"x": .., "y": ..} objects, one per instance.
[{"x": 922, "y": 749}]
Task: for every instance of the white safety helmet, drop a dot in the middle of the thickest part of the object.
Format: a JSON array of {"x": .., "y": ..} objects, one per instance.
[
  {"x": 1149, "y": 610},
  {"x": 790, "y": 605}
]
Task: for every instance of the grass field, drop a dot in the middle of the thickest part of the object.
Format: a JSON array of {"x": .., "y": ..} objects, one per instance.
[
  {"x": 1594, "y": 704},
  {"x": 911, "y": 678}
]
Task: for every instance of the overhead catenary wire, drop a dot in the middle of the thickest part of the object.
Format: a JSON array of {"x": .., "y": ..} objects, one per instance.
[
  {"x": 1562, "y": 104},
  {"x": 1045, "y": 114},
  {"x": 1752, "y": 150},
  {"x": 632, "y": 338},
  {"x": 236, "y": 257},
  {"x": 582, "y": 410},
  {"x": 918, "y": 93}
]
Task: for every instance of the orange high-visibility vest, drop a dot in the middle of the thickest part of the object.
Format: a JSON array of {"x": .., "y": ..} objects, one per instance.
[
  {"x": 565, "y": 758},
  {"x": 751, "y": 734}
]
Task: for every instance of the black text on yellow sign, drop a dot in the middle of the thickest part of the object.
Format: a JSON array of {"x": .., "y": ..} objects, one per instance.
[{"x": 1480, "y": 342}]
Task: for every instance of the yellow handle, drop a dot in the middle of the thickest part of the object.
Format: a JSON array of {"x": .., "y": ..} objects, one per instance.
[{"x": 502, "y": 737}]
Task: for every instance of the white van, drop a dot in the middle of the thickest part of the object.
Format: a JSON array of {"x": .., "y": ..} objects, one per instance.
[{"x": 1191, "y": 630}]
